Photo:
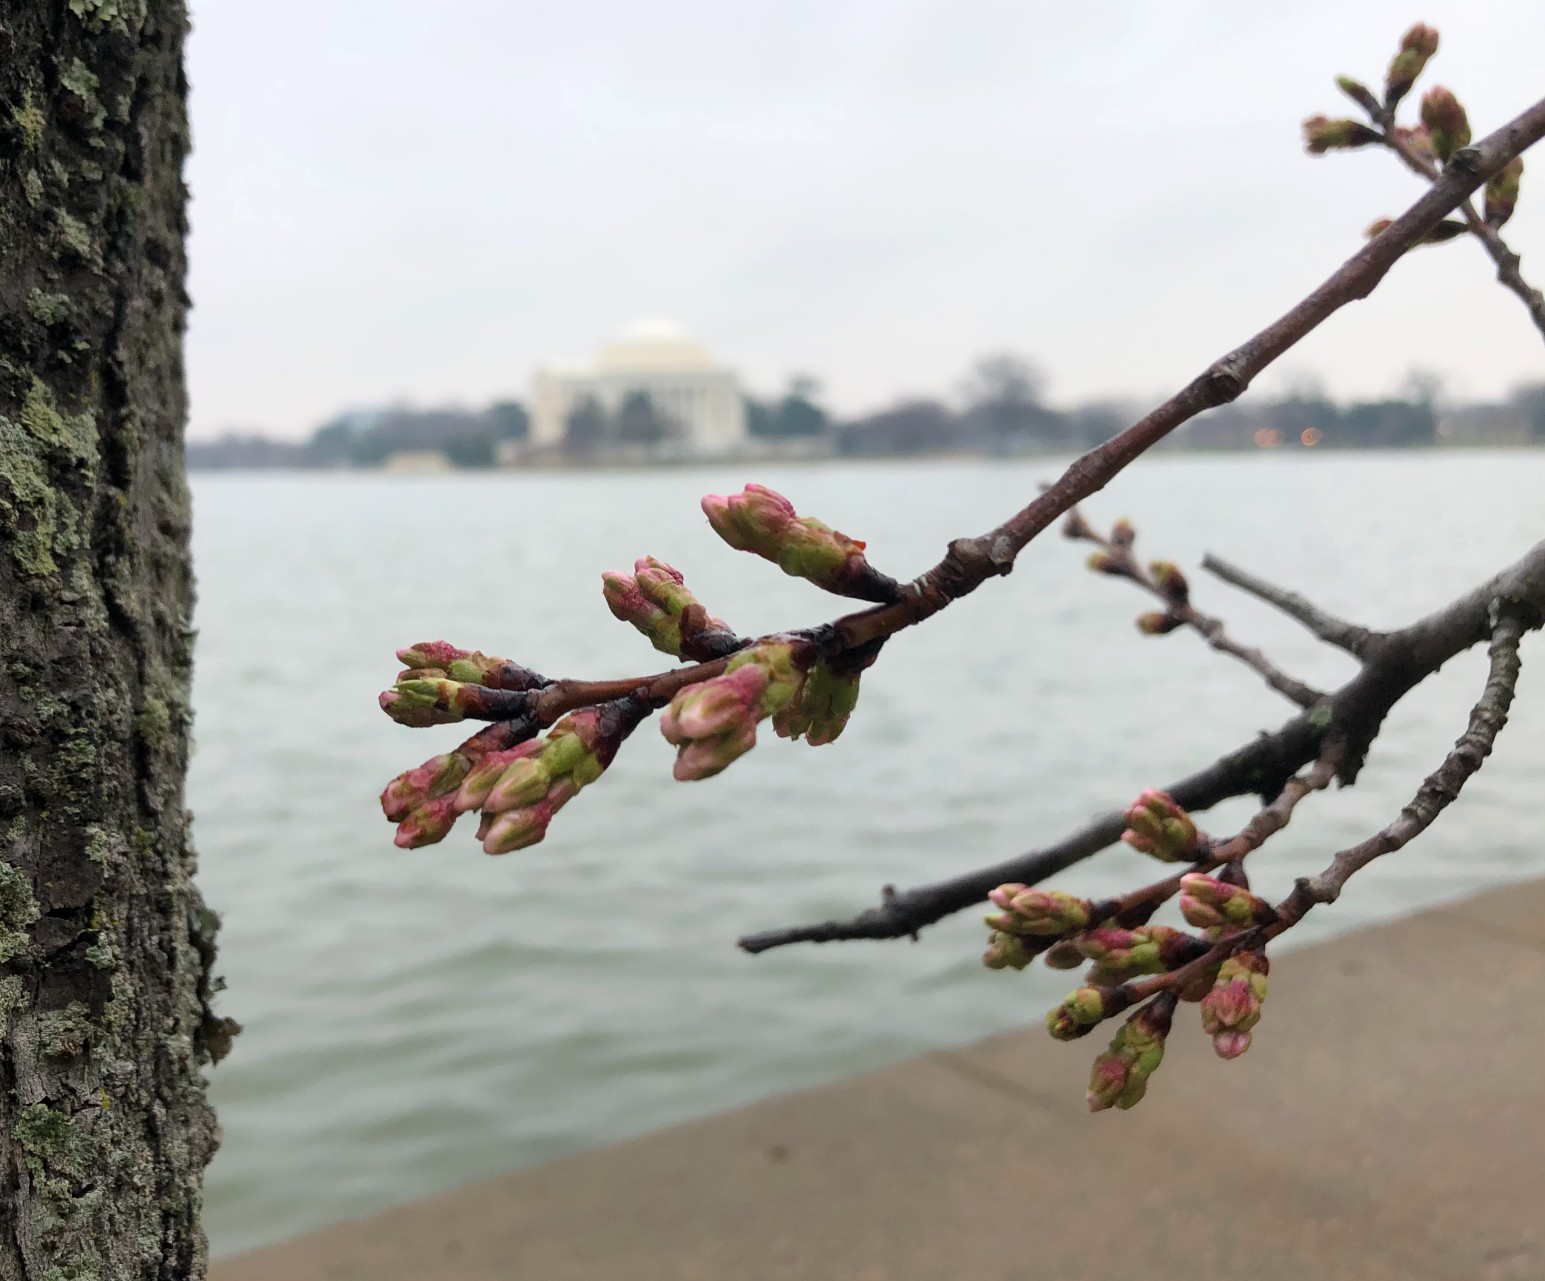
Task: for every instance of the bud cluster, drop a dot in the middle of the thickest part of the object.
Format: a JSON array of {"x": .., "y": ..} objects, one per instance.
[
  {"x": 1120, "y": 1075},
  {"x": 655, "y": 600},
  {"x": 1037, "y": 913},
  {"x": 1081, "y": 1010},
  {"x": 440, "y": 660},
  {"x": 1158, "y": 826},
  {"x": 519, "y": 790},
  {"x": 1213, "y": 904},
  {"x": 1120, "y": 954},
  {"x": 821, "y": 705},
  {"x": 1233, "y": 1007},
  {"x": 421, "y": 801},
  {"x": 764, "y": 522}
]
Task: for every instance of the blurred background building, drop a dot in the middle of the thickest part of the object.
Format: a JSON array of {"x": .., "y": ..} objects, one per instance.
[{"x": 654, "y": 390}]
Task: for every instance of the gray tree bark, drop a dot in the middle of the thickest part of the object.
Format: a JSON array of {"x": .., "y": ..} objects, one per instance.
[{"x": 105, "y": 944}]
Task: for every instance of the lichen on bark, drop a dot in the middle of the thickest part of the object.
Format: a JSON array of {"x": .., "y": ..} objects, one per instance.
[{"x": 106, "y": 948}]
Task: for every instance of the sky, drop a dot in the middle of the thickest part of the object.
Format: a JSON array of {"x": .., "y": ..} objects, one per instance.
[{"x": 400, "y": 202}]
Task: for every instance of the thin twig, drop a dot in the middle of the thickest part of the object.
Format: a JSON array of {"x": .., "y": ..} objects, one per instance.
[
  {"x": 1395, "y": 664},
  {"x": 970, "y": 562},
  {"x": 1121, "y": 561},
  {"x": 1326, "y": 627},
  {"x": 1501, "y": 253},
  {"x": 1442, "y": 787}
]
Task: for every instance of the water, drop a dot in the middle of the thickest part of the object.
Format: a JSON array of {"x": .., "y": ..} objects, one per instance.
[{"x": 418, "y": 1019}]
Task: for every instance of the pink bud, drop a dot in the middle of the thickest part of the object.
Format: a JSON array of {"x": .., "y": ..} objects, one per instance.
[
  {"x": 413, "y": 787},
  {"x": 703, "y": 758},
  {"x": 763, "y": 522},
  {"x": 481, "y": 778},
  {"x": 1158, "y": 826},
  {"x": 427, "y": 824},
  {"x": 517, "y": 829},
  {"x": 1446, "y": 121},
  {"x": 715, "y": 706}
]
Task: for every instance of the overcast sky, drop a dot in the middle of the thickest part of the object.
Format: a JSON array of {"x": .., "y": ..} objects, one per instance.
[{"x": 422, "y": 202}]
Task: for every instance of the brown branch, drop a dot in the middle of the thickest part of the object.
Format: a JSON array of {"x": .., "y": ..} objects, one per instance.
[
  {"x": 1442, "y": 787},
  {"x": 1394, "y": 664},
  {"x": 970, "y": 562},
  {"x": 1122, "y": 562},
  {"x": 1290, "y": 687},
  {"x": 1500, "y": 252},
  {"x": 1326, "y": 627}
]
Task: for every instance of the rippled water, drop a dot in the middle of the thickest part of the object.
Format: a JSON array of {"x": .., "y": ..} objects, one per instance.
[{"x": 417, "y": 1019}]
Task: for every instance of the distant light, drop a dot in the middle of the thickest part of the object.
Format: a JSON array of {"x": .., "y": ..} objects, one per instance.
[
  {"x": 1311, "y": 436},
  {"x": 1445, "y": 429},
  {"x": 1268, "y": 438}
]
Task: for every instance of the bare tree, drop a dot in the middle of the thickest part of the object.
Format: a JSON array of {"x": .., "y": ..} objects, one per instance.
[
  {"x": 806, "y": 680},
  {"x": 105, "y": 945}
]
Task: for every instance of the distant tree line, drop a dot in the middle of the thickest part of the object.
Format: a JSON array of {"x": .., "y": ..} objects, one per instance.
[
  {"x": 367, "y": 438},
  {"x": 998, "y": 410}
]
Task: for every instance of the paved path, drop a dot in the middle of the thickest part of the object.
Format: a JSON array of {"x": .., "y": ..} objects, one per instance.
[{"x": 1389, "y": 1123}]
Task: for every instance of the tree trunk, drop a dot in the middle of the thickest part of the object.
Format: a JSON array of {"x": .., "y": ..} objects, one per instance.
[{"x": 105, "y": 944}]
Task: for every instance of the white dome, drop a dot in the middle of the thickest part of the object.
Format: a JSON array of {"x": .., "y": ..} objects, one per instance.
[{"x": 654, "y": 344}]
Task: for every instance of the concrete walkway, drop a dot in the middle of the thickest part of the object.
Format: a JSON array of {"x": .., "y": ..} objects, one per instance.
[{"x": 1389, "y": 1123}]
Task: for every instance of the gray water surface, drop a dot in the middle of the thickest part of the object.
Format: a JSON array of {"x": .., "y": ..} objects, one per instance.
[{"x": 415, "y": 1019}]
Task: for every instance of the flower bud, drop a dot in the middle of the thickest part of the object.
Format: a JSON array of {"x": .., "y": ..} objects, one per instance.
[
  {"x": 1122, "y": 533},
  {"x": 1207, "y": 902},
  {"x": 701, "y": 711},
  {"x": 482, "y": 777},
  {"x": 1157, "y": 826},
  {"x": 1159, "y": 624},
  {"x": 1040, "y": 913},
  {"x": 430, "y": 660},
  {"x": 427, "y": 824},
  {"x": 714, "y": 723},
  {"x": 1007, "y": 952},
  {"x": 1416, "y": 47},
  {"x": 1119, "y": 954},
  {"x": 820, "y": 709},
  {"x": 1233, "y": 1006},
  {"x": 1447, "y": 124},
  {"x": 1502, "y": 192},
  {"x": 518, "y": 828},
  {"x": 418, "y": 703},
  {"x": 1106, "y": 563},
  {"x": 1322, "y": 134},
  {"x": 1080, "y": 1010},
  {"x": 1120, "y": 1075},
  {"x": 655, "y": 600},
  {"x": 1357, "y": 91},
  {"x": 1171, "y": 582},
  {"x": 763, "y": 522},
  {"x": 1378, "y": 227},
  {"x": 416, "y": 786}
]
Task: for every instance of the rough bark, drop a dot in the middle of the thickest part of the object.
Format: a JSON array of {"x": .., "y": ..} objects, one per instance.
[{"x": 105, "y": 944}]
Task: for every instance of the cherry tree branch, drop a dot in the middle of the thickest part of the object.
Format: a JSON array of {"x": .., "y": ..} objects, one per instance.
[
  {"x": 1350, "y": 637},
  {"x": 1165, "y": 582},
  {"x": 969, "y": 562},
  {"x": 1501, "y": 253},
  {"x": 1339, "y": 729},
  {"x": 1442, "y": 787}
]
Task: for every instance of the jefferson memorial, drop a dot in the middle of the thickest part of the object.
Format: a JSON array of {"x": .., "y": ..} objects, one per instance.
[{"x": 699, "y": 397}]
